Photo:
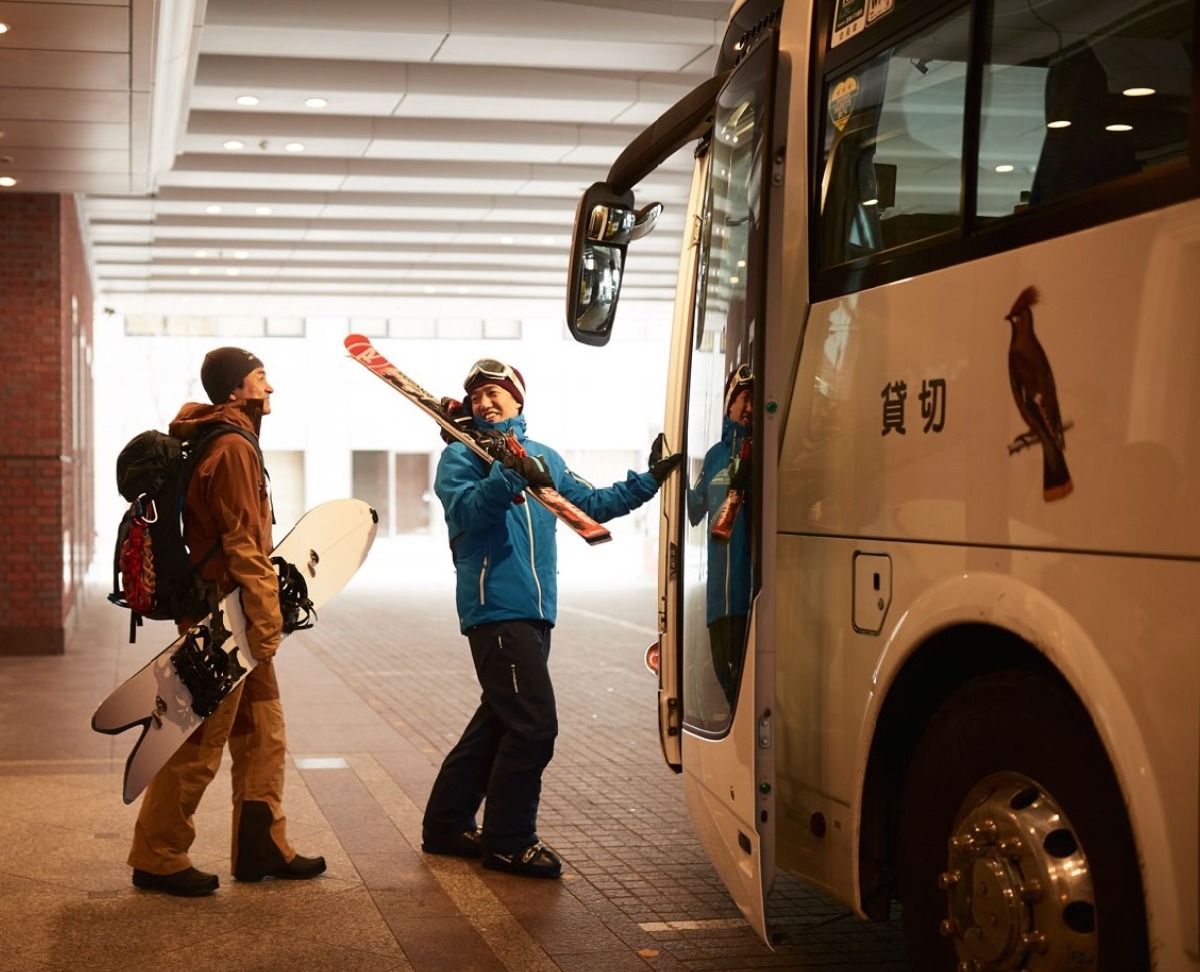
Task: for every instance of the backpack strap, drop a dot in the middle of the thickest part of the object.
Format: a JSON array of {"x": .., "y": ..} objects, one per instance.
[
  {"x": 198, "y": 446},
  {"x": 195, "y": 450}
]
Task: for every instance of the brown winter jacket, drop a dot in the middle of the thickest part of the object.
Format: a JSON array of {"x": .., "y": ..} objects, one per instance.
[{"x": 227, "y": 498}]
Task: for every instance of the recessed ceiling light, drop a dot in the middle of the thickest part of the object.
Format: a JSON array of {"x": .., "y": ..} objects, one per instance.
[
  {"x": 247, "y": 100},
  {"x": 193, "y": 271},
  {"x": 1137, "y": 92},
  {"x": 316, "y": 103},
  {"x": 200, "y": 254},
  {"x": 4, "y": 28},
  {"x": 233, "y": 145},
  {"x": 212, "y": 210},
  {"x": 547, "y": 241},
  {"x": 7, "y": 181},
  {"x": 240, "y": 254},
  {"x": 506, "y": 240},
  {"x": 232, "y": 272},
  {"x": 263, "y": 210},
  {"x": 1061, "y": 123},
  {"x": 1118, "y": 127},
  {"x": 295, "y": 146},
  {"x": 431, "y": 290},
  {"x": 1004, "y": 168}
]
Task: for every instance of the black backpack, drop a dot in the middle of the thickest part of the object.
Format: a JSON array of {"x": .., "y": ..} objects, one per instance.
[{"x": 153, "y": 574}]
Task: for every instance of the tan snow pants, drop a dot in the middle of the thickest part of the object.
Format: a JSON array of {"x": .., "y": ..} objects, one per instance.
[{"x": 250, "y": 720}]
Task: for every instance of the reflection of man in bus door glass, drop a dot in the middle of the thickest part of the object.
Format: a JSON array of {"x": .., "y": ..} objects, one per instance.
[{"x": 722, "y": 492}]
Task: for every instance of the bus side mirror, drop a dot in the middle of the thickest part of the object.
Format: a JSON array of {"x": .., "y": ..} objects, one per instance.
[{"x": 605, "y": 224}]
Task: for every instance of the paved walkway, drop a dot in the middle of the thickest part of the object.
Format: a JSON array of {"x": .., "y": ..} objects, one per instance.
[{"x": 375, "y": 694}]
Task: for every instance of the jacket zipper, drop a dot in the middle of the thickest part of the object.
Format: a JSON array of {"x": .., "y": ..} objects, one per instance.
[
  {"x": 482, "y": 578},
  {"x": 533, "y": 559}
]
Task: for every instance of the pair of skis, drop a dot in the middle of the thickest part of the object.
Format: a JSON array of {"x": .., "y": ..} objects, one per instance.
[{"x": 366, "y": 354}]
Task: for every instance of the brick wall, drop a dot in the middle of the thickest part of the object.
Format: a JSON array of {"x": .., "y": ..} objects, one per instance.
[{"x": 46, "y": 515}]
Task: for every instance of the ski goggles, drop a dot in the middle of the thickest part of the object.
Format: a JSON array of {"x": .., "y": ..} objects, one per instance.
[
  {"x": 743, "y": 376},
  {"x": 489, "y": 369}
]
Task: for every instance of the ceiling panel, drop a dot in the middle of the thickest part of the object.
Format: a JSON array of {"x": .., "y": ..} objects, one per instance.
[
  {"x": 50, "y": 105},
  {"x": 91, "y": 136},
  {"x": 444, "y": 163},
  {"x": 43, "y": 27}
]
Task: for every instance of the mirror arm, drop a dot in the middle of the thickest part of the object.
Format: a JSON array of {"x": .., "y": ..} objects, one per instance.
[{"x": 688, "y": 119}]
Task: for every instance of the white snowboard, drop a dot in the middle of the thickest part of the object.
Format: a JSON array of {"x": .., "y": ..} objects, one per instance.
[{"x": 327, "y": 545}]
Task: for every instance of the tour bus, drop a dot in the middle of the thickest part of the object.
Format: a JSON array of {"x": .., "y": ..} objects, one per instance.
[{"x": 930, "y": 572}]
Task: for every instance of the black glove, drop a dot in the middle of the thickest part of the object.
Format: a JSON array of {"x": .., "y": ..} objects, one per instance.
[
  {"x": 662, "y": 466},
  {"x": 459, "y": 413},
  {"x": 740, "y": 469},
  {"x": 530, "y": 468},
  {"x": 739, "y": 474}
]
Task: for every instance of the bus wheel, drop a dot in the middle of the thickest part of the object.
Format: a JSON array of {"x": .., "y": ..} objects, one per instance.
[{"x": 1014, "y": 851}]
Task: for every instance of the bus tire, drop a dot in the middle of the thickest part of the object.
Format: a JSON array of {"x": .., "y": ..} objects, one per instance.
[{"x": 1014, "y": 849}]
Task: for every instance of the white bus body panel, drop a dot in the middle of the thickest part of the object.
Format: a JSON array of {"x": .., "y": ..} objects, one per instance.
[
  {"x": 719, "y": 784},
  {"x": 1104, "y": 582}
]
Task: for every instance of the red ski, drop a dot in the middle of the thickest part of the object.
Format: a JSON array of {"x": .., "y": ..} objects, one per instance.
[
  {"x": 367, "y": 355},
  {"x": 739, "y": 480}
]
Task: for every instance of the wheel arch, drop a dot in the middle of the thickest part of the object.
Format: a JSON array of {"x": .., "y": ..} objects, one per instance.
[
  {"x": 932, "y": 650},
  {"x": 919, "y": 687}
]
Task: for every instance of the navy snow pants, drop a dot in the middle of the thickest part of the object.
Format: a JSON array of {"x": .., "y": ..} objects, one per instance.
[{"x": 506, "y": 745}]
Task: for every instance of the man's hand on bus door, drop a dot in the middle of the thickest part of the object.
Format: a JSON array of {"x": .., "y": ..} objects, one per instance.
[{"x": 661, "y": 466}]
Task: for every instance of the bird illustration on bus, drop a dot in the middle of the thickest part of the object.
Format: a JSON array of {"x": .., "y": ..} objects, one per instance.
[{"x": 1033, "y": 388}]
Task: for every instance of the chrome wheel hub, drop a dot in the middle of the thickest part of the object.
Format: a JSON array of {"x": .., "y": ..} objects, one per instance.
[{"x": 1018, "y": 888}]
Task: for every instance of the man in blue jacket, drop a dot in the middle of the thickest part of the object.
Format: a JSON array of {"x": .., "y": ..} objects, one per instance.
[{"x": 505, "y": 555}]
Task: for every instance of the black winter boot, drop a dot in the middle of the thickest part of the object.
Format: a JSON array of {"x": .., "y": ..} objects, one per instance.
[{"x": 257, "y": 854}]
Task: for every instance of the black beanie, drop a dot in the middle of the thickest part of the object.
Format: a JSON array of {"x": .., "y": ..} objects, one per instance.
[{"x": 223, "y": 370}]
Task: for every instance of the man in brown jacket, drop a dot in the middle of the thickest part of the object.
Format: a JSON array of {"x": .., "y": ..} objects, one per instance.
[{"x": 228, "y": 506}]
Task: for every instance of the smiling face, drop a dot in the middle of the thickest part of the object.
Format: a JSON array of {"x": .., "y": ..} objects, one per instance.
[
  {"x": 741, "y": 409},
  {"x": 254, "y": 385},
  {"x": 492, "y": 403}
]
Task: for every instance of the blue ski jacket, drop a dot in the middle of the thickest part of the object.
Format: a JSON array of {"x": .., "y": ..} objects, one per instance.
[
  {"x": 729, "y": 582},
  {"x": 505, "y": 553}
]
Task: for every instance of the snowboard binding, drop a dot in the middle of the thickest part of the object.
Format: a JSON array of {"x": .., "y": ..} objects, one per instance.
[
  {"x": 206, "y": 670},
  {"x": 294, "y": 603}
]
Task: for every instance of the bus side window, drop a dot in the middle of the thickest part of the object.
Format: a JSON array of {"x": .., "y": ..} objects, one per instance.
[
  {"x": 892, "y": 163},
  {"x": 1078, "y": 96}
]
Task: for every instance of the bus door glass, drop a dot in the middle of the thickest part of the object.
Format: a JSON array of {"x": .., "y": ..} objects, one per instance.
[{"x": 719, "y": 575}]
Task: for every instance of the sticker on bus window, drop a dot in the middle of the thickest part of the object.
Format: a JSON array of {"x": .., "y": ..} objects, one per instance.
[
  {"x": 877, "y": 9},
  {"x": 842, "y": 99},
  {"x": 853, "y": 16}
]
